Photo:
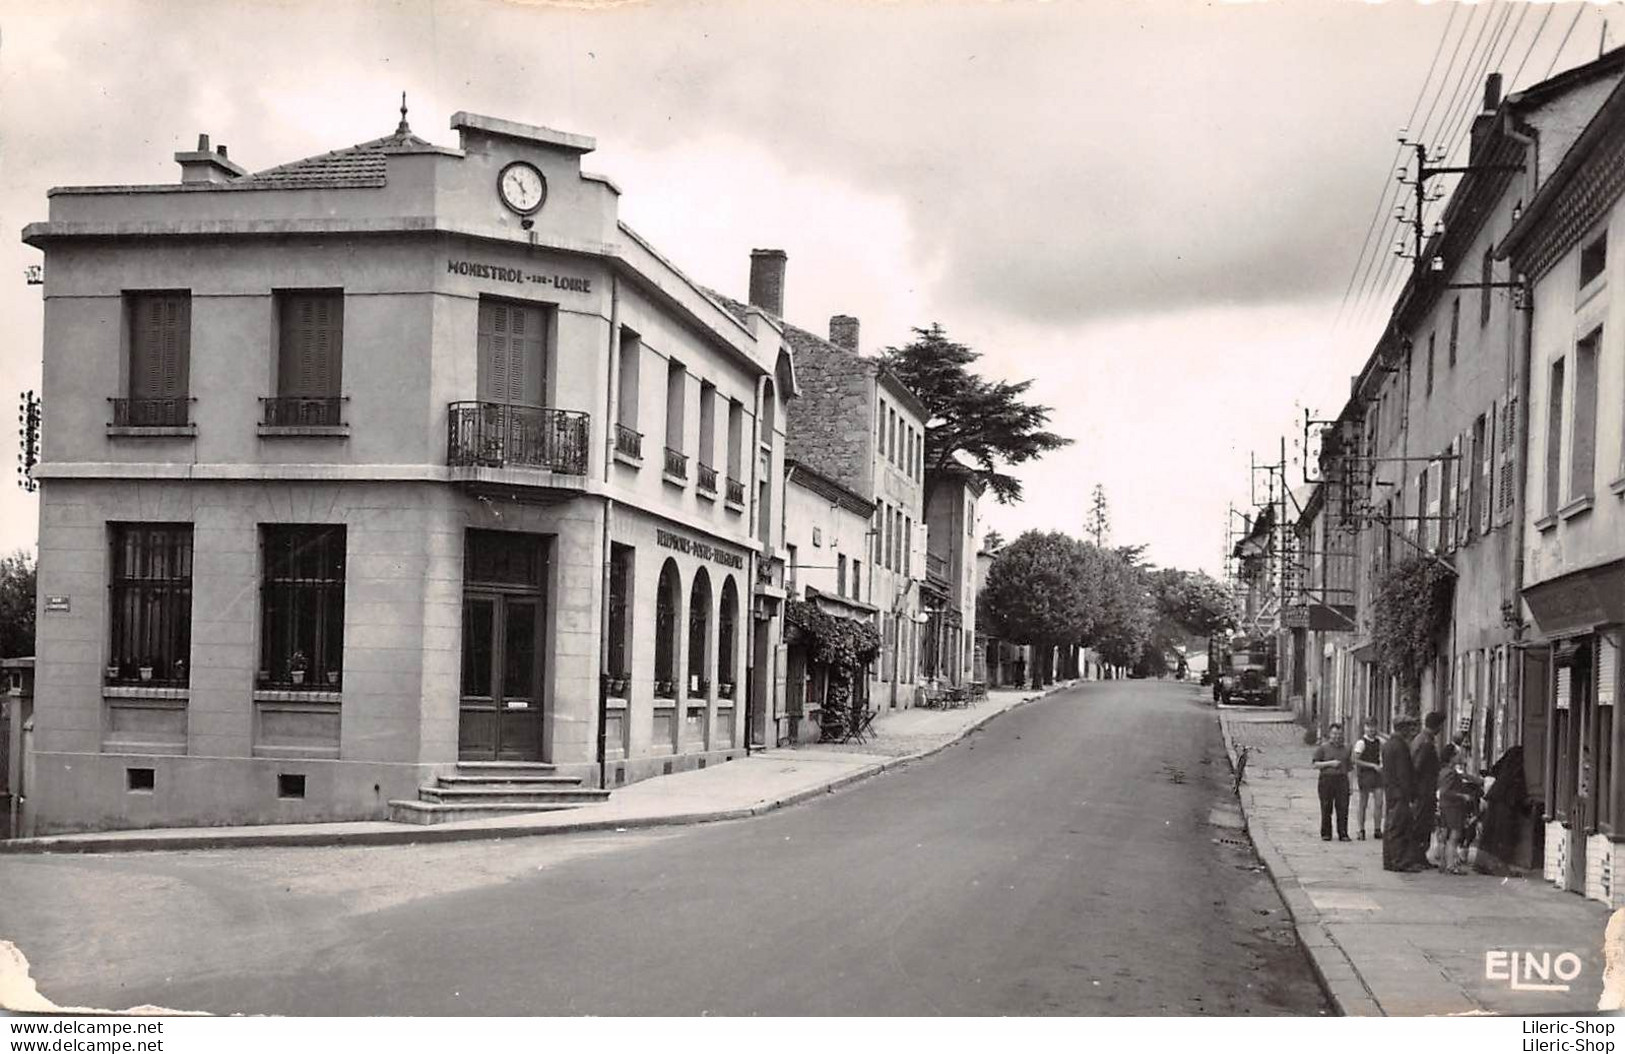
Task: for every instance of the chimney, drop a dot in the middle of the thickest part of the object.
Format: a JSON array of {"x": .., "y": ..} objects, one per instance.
[
  {"x": 1484, "y": 120},
  {"x": 767, "y": 280},
  {"x": 205, "y": 166},
  {"x": 843, "y": 332}
]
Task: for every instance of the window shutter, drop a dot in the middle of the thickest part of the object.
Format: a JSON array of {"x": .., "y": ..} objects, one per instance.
[
  {"x": 312, "y": 339},
  {"x": 1434, "y": 527},
  {"x": 1509, "y": 459},
  {"x": 1447, "y": 499},
  {"x": 1464, "y": 487},
  {"x": 1563, "y": 683},
  {"x": 160, "y": 345},
  {"x": 1607, "y": 669},
  {"x": 920, "y": 533},
  {"x": 1487, "y": 472}
]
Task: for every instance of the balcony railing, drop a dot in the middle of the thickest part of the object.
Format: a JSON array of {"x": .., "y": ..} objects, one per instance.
[
  {"x": 676, "y": 463},
  {"x": 294, "y": 411},
  {"x": 736, "y": 491},
  {"x": 628, "y": 442},
  {"x": 708, "y": 478},
  {"x": 497, "y": 435},
  {"x": 150, "y": 413}
]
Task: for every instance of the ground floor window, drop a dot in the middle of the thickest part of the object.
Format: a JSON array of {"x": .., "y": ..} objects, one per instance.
[
  {"x": 151, "y": 603},
  {"x": 620, "y": 612},
  {"x": 302, "y": 606},
  {"x": 727, "y": 631},
  {"x": 699, "y": 623},
  {"x": 667, "y": 600}
]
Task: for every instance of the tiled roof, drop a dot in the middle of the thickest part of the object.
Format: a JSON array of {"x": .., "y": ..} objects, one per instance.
[{"x": 361, "y": 165}]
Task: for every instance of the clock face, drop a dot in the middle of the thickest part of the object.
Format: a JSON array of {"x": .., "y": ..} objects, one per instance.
[{"x": 522, "y": 187}]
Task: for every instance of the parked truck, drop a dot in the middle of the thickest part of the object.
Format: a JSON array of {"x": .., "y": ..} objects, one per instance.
[{"x": 1247, "y": 672}]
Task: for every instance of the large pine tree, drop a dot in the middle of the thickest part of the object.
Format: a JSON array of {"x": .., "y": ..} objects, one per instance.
[{"x": 975, "y": 426}]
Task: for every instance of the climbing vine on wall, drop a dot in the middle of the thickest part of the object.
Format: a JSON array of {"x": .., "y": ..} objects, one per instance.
[
  {"x": 833, "y": 640},
  {"x": 1411, "y": 613}
]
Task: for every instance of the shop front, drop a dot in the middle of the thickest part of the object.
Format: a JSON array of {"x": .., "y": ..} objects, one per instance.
[
  {"x": 675, "y": 644},
  {"x": 1572, "y": 741}
]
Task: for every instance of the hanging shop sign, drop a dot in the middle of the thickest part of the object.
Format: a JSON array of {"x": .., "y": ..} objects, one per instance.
[{"x": 696, "y": 548}]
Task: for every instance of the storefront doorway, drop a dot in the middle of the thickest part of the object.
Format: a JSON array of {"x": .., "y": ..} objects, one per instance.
[{"x": 503, "y": 699}]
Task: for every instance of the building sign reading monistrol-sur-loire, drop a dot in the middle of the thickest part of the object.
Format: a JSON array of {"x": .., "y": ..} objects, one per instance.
[
  {"x": 502, "y": 273},
  {"x": 703, "y": 550}
]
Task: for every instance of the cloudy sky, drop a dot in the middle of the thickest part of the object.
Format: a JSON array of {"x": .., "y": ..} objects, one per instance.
[{"x": 1157, "y": 210}]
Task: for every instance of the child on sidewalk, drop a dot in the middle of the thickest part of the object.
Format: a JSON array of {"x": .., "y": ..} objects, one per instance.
[
  {"x": 1367, "y": 757},
  {"x": 1332, "y": 759}
]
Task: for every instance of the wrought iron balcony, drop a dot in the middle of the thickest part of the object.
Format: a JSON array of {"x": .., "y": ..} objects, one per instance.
[
  {"x": 151, "y": 413},
  {"x": 497, "y": 435},
  {"x": 736, "y": 491},
  {"x": 676, "y": 463},
  {"x": 708, "y": 478},
  {"x": 296, "y": 411},
  {"x": 628, "y": 442}
]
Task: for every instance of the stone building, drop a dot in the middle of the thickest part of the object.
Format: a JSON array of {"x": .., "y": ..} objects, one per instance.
[
  {"x": 383, "y": 460},
  {"x": 1423, "y": 459},
  {"x": 950, "y": 579},
  {"x": 1567, "y": 245},
  {"x": 857, "y": 424}
]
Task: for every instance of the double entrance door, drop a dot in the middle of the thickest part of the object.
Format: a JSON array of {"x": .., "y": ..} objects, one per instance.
[{"x": 504, "y": 630}]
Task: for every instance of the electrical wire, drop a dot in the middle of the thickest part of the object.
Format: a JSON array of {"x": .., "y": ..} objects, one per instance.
[
  {"x": 1379, "y": 275},
  {"x": 1565, "y": 41},
  {"x": 1388, "y": 182},
  {"x": 1533, "y": 41}
]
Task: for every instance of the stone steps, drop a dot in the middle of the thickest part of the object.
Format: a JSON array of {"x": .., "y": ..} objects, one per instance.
[{"x": 483, "y": 789}]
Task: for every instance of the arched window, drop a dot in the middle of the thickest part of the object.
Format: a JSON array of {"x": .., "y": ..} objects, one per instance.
[
  {"x": 727, "y": 630},
  {"x": 667, "y": 599},
  {"x": 699, "y": 623},
  {"x": 769, "y": 410}
]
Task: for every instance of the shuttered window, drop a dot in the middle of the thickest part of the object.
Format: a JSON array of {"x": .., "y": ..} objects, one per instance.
[
  {"x": 1507, "y": 493},
  {"x": 311, "y": 337},
  {"x": 1486, "y": 471},
  {"x": 1433, "y": 524},
  {"x": 511, "y": 346},
  {"x": 160, "y": 344},
  {"x": 1447, "y": 499},
  {"x": 1464, "y": 487}
]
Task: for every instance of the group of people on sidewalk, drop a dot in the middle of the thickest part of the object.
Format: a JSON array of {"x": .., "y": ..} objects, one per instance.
[{"x": 1423, "y": 787}]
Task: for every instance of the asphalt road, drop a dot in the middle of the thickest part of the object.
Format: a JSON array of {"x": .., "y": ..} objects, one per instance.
[{"x": 1070, "y": 858}]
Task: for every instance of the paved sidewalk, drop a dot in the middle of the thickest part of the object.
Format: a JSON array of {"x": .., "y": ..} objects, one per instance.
[
  {"x": 750, "y": 786},
  {"x": 1387, "y": 943}
]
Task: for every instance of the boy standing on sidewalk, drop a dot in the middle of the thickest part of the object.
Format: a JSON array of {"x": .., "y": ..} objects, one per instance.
[
  {"x": 1367, "y": 758},
  {"x": 1332, "y": 759}
]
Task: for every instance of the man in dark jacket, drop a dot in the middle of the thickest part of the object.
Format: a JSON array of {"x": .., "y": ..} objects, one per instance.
[
  {"x": 1399, "y": 788},
  {"x": 1425, "y": 774}
]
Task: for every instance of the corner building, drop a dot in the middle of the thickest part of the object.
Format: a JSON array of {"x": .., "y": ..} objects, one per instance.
[{"x": 393, "y": 457}]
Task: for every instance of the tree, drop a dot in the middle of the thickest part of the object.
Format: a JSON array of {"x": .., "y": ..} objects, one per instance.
[
  {"x": 1037, "y": 592},
  {"x": 992, "y": 542},
  {"x": 1121, "y": 627},
  {"x": 17, "y": 592},
  {"x": 1099, "y": 525},
  {"x": 969, "y": 419},
  {"x": 1195, "y": 602}
]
